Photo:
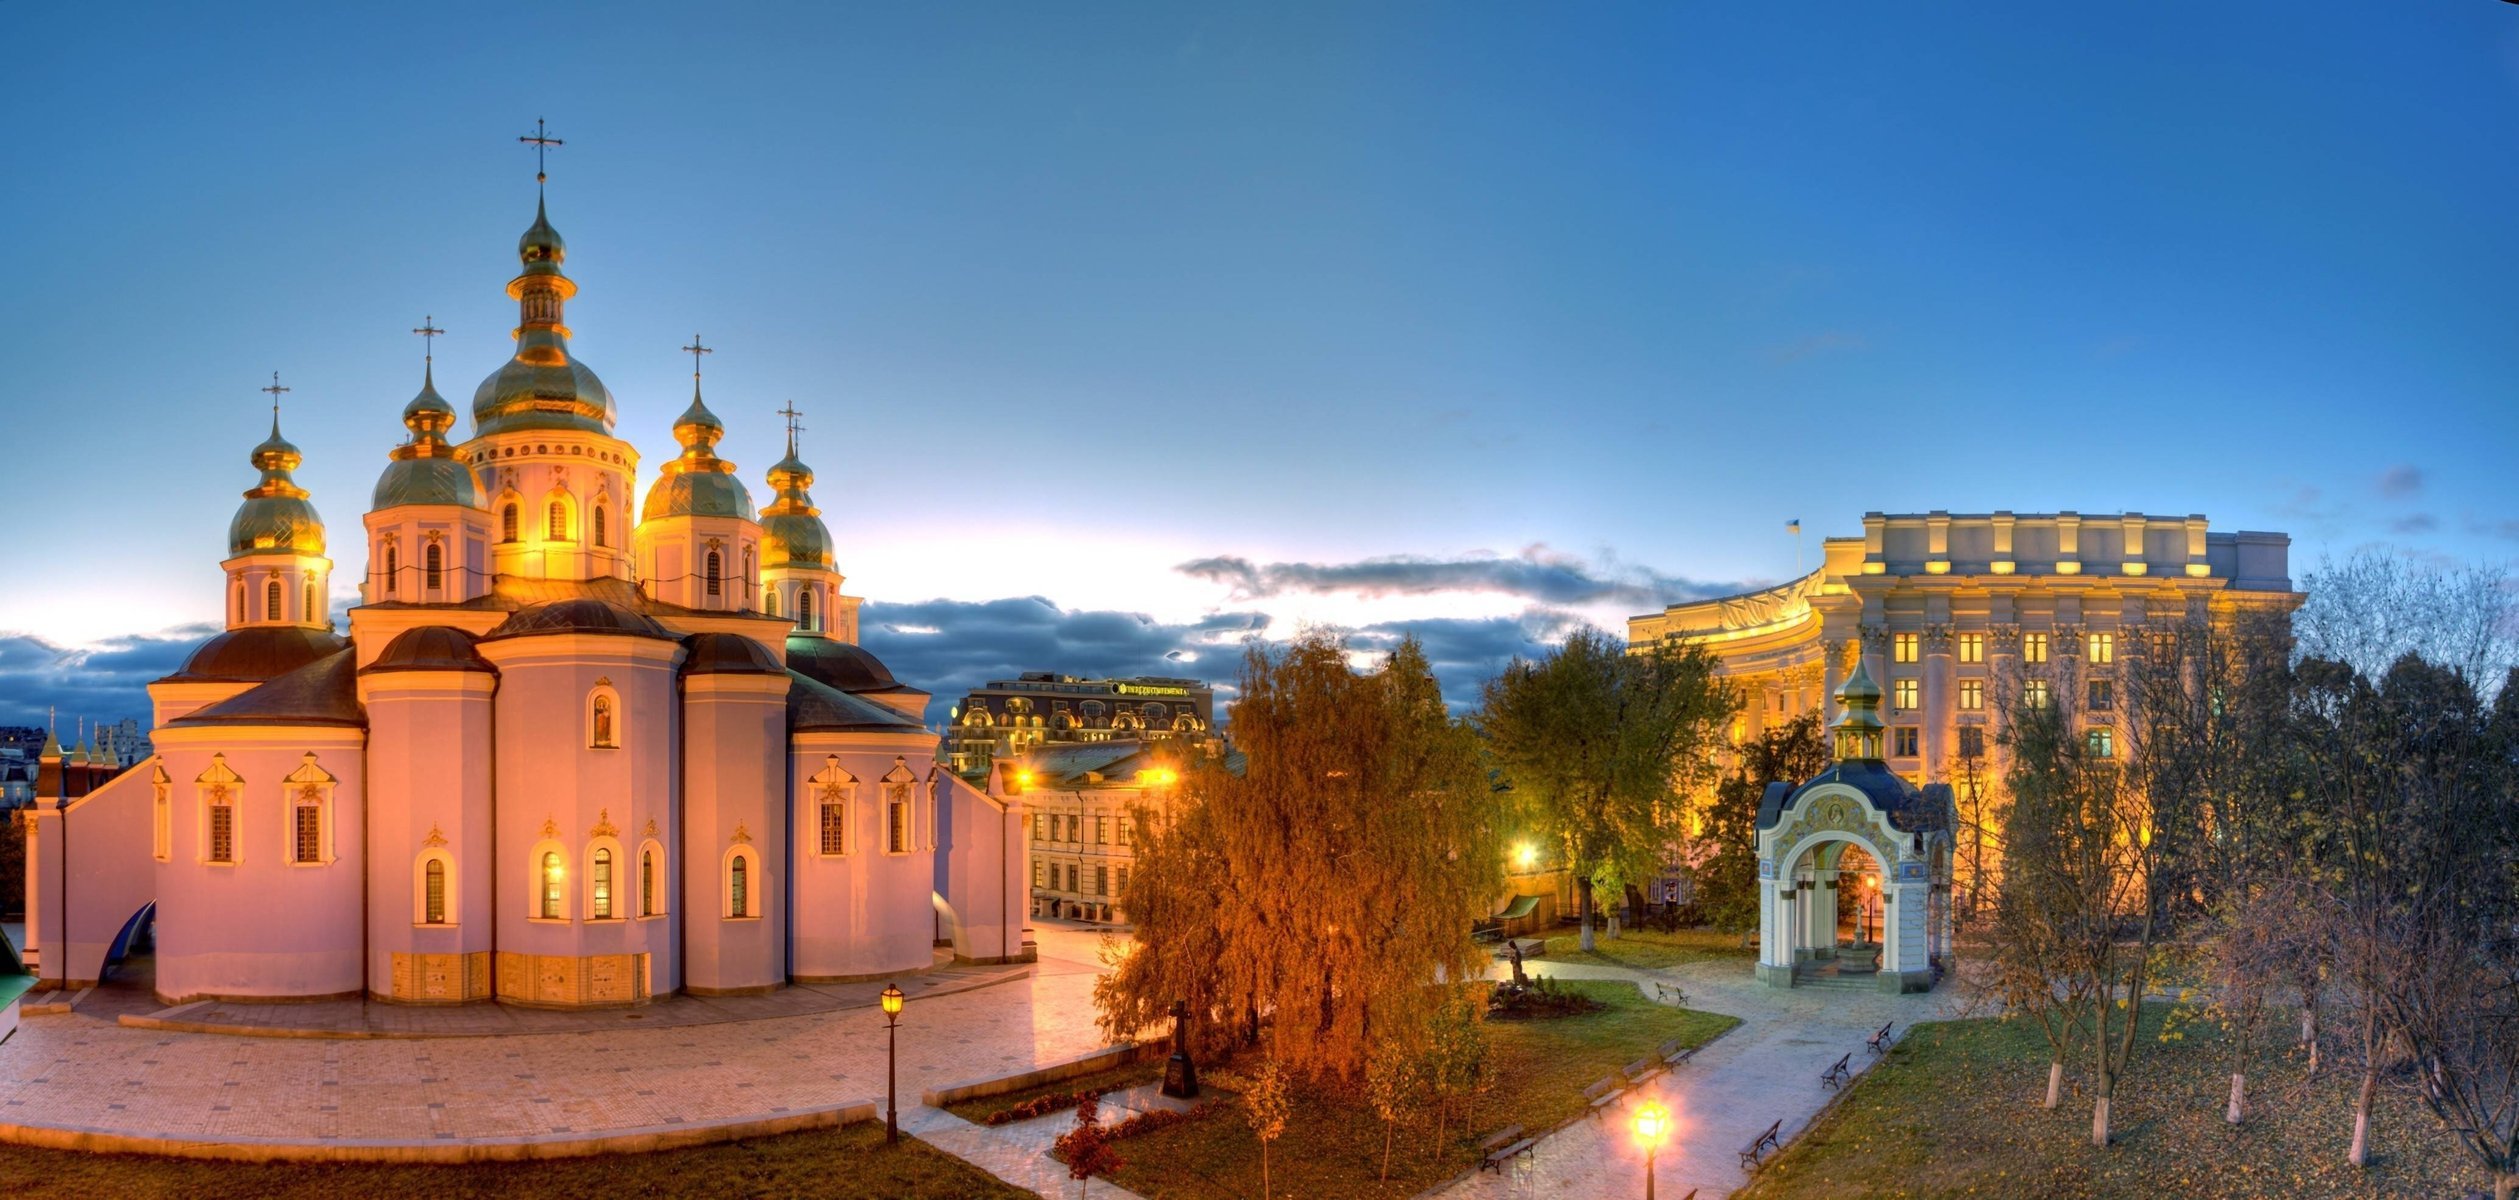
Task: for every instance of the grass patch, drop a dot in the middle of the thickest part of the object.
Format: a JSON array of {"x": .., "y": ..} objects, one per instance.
[
  {"x": 847, "y": 1162},
  {"x": 1648, "y": 949},
  {"x": 1954, "y": 1112},
  {"x": 1333, "y": 1141},
  {"x": 1112, "y": 1079}
]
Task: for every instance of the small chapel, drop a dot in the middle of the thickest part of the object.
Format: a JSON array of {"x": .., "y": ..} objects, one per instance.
[
  {"x": 577, "y": 747},
  {"x": 1854, "y": 866}
]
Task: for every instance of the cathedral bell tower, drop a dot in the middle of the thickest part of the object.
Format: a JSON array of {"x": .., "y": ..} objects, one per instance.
[
  {"x": 798, "y": 580},
  {"x": 276, "y": 569},
  {"x": 428, "y": 525},
  {"x": 698, "y": 544}
]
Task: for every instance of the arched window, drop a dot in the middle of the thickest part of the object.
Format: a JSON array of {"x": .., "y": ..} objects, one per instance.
[
  {"x": 715, "y": 574},
  {"x": 558, "y": 524},
  {"x": 651, "y": 897},
  {"x": 599, "y": 524},
  {"x": 433, "y": 892},
  {"x": 769, "y": 600},
  {"x": 507, "y": 522},
  {"x": 551, "y": 909},
  {"x": 835, "y": 791},
  {"x": 219, "y": 790},
  {"x": 435, "y": 558},
  {"x": 312, "y": 607},
  {"x": 271, "y": 601},
  {"x": 240, "y": 601},
  {"x": 804, "y": 609},
  {"x": 747, "y": 567},
  {"x": 393, "y": 568},
  {"x": 599, "y": 879},
  {"x": 739, "y": 885},
  {"x": 896, "y": 818},
  {"x": 603, "y": 720},
  {"x": 309, "y": 793}
]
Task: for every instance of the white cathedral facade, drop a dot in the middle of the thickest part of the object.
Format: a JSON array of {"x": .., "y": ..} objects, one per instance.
[{"x": 570, "y": 753}]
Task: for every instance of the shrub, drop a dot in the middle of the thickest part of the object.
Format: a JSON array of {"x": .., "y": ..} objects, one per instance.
[{"x": 1041, "y": 1106}]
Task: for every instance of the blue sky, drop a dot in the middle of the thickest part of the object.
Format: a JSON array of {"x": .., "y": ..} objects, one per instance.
[{"x": 1565, "y": 309}]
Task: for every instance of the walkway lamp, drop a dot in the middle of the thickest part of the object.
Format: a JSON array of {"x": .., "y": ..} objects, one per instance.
[
  {"x": 892, "y": 998},
  {"x": 1653, "y": 1123}
]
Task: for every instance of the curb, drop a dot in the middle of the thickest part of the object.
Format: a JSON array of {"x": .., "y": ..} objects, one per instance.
[{"x": 437, "y": 1150}]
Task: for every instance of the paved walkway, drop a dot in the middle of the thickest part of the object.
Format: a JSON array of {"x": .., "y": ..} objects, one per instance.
[
  {"x": 1019, "y": 1152},
  {"x": 1766, "y": 1069},
  {"x": 80, "y": 1073}
]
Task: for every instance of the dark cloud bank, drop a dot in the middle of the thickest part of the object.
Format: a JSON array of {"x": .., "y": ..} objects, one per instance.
[{"x": 1538, "y": 574}]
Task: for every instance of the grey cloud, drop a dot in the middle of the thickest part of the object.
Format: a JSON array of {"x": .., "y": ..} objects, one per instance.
[
  {"x": 2418, "y": 523},
  {"x": 1537, "y": 574},
  {"x": 2401, "y": 481},
  {"x": 975, "y": 641},
  {"x": 108, "y": 681}
]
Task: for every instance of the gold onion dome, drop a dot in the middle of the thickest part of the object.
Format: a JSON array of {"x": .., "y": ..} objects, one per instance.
[
  {"x": 697, "y": 483},
  {"x": 792, "y": 532},
  {"x": 1859, "y": 730},
  {"x": 542, "y": 388},
  {"x": 424, "y": 470},
  {"x": 276, "y": 517}
]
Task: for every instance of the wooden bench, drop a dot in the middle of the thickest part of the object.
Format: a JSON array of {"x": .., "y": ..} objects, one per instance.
[
  {"x": 1760, "y": 1145},
  {"x": 1839, "y": 1073},
  {"x": 1674, "y": 1052},
  {"x": 1603, "y": 1094},
  {"x": 1502, "y": 1145},
  {"x": 1668, "y": 993},
  {"x": 1879, "y": 1042},
  {"x": 1643, "y": 1069}
]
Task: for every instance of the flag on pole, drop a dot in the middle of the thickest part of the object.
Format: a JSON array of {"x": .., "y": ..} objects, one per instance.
[{"x": 1793, "y": 526}]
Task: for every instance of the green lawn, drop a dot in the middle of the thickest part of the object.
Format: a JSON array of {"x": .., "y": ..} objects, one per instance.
[
  {"x": 1333, "y": 1142},
  {"x": 1954, "y": 1112},
  {"x": 849, "y": 1162},
  {"x": 1645, "y": 949}
]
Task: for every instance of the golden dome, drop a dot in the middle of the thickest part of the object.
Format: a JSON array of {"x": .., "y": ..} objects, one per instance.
[
  {"x": 542, "y": 387},
  {"x": 792, "y": 532},
  {"x": 424, "y": 470},
  {"x": 276, "y": 517},
  {"x": 697, "y": 483}
]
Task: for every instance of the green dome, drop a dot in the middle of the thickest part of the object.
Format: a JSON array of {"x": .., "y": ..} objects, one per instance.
[
  {"x": 425, "y": 470},
  {"x": 697, "y": 483},
  {"x": 276, "y": 517}
]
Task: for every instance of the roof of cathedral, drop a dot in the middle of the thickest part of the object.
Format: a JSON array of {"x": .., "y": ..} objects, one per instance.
[
  {"x": 813, "y": 705},
  {"x": 430, "y": 648},
  {"x": 258, "y": 652},
  {"x": 728, "y": 654},
  {"x": 843, "y": 665},
  {"x": 323, "y": 692},
  {"x": 582, "y": 615}
]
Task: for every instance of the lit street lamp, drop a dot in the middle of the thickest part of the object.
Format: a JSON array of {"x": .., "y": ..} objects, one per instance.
[
  {"x": 1653, "y": 1122},
  {"x": 892, "y": 1064}
]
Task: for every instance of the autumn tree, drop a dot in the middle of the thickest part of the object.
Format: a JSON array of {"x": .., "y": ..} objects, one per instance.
[
  {"x": 1726, "y": 873},
  {"x": 1327, "y": 886},
  {"x": 1599, "y": 745}
]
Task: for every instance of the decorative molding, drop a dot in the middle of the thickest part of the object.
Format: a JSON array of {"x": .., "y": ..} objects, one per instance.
[
  {"x": 603, "y": 825},
  {"x": 436, "y": 837},
  {"x": 743, "y": 836},
  {"x": 550, "y": 828},
  {"x": 651, "y": 827}
]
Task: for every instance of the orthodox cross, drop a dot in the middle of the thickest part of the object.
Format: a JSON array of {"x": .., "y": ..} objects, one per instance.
[
  {"x": 541, "y": 142},
  {"x": 275, "y": 389},
  {"x": 791, "y": 414},
  {"x": 428, "y": 332},
  {"x": 695, "y": 350}
]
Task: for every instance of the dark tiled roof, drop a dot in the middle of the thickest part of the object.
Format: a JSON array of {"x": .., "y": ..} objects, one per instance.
[
  {"x": 578, "y": 616},
  {"x": 843, "y": 665},
  {"x": 728, "y": 654},
  {"x": 1910, "y": 809},
  {"x": 259, "y": 652},
  {"x": 814, "y": 705},
  {"x": 323, "y": 692},
  {"x": 430, "y": 648}
]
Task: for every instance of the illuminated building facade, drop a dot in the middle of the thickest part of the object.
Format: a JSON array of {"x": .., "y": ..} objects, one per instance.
[
  {"x": 1011, "y": 717},
  {"x": 560, "y": 759},
  {"x": 1083, "y": 798}
]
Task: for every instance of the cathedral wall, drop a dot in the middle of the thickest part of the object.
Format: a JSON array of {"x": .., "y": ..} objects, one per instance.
[
  {"x": 461, "y": 536},
  {"x": 983, "y": 868},
  {"x": 561, "y": 798},
  {"x": 673, "y": 561},
  {"x": 733, "y": 800},
  {"x": 869, "y": 911},
  {"x": 260, "y": 925},
  {"x": 582, "y": 472},
  {"x": 429, "y": 774}
]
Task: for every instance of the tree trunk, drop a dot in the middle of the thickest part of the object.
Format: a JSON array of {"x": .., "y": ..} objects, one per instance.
[
  {"x": 2238, "y": 1110},
  {"x": 2309, "y": 1033},
  {"x": 2505, "y": 1187},
  {"x": 2360, "y": 1153},
  {"x": 2055, "y": 1082},
  {"x": 2099, "y": 1118},
  {"x": 1387, "y": 1128},
  {"x": 1584, "y": 903},
  {"x": 1263, "y": 1169}
]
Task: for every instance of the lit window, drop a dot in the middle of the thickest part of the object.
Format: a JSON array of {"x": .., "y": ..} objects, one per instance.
[
  {"x": 1905, "y": 695},
  {"x": 393, "y": 566},
  {"x": 2033, "y": 647},
  {"x": 896, "y": 817},
  {"x": 557, "y": 524},
  {"x": 804, "y": 609},
  {"x": 647, "y": 883},
  {"x": 2100, "y": 742},
  {"x": 716, "y": 584},
  {"x": 739, "y": 887},
  {"x": 1903, "y": 646},
  {"x": 599, "y": 525},
  {"x": 433, "y": 892},
  {"x": 307, "y": 825},
  {"x": 1971, "y": 695},
  {"x": 507, "y": 523},
  {"x": 551, "y": 877},
  {"x": 2034, "y": 693},
  {"x": 834, "y": 820},
  {"x": 435, "y": 558},
  {"x": 1903, "y": 741},
  {"x": 1972, "y": 647},
  {"x": 1040, "y": 874},
  {"x": 271, "y": 601},
  {"x": 1102, "y": 830},
  {"x": 2103, "y": 649}
]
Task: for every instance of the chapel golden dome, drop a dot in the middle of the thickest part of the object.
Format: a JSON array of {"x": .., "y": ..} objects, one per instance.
[{"x": 276, "y": 517}]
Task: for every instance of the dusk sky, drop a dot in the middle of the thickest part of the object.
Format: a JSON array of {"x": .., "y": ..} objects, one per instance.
[{"x": 1125, "y": 331}]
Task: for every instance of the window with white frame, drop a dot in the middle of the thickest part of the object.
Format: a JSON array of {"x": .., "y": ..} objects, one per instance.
[
  {"x": 1971, "y": 695},
  {"x": 309, "y": 793},
  {"x": 2034, "y": 693},
  {"x": 553, "y": 882},
  {"x": 433, "y": 880},
  {"x": 2033, "y": 647},
  {"x": 742, "y": 883},
  {"x": 220, "y": 789},
  {"x": 2103, "y": 649},
  {"x": 1972, "y": 647},
  {"x": 600, "y": 902},
  {"x": 2100, "y": 741},
  {"x": 1903, "y": 647},
  {"x": 896, "y": 818},
  {"x": 1905, "y": 695},
  {"x": 834, "y": 793},
  {"x": 433, "y": 562},
  {"x": 651, "y": 893}
]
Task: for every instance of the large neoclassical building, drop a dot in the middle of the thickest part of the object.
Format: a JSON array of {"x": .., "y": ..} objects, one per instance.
[{"x": 579, "y": 746}]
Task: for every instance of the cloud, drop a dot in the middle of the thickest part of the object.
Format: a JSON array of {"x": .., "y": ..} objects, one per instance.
[
  {"x": 1537, "y": 574},
  {"x": 2401, "y": 482},
  {"x": 1833, "y": 341},
  {"x": 2417, "y": 523},
  {"x": 949, "y": 647},
  {"x": 1466, "y": 653},
  {"x": 108, "y": 681}
]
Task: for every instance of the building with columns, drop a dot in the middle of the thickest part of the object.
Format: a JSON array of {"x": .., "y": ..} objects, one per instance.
[{"x": 559, "y": 759}]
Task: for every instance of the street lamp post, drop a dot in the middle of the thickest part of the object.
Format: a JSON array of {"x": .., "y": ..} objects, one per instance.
[
  {"x": 1652, "y": 1122},
  {"x": 892, "y": 1064}
]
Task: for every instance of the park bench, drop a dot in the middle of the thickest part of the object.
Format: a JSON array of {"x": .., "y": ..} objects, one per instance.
[
  {"x": 1603, "y": 1094},
  {"x": 1761, "y": 1144},
  {"x": 1879, "y": 1042},
  {"x": 1501, "y": 1145},
  {"x": 1643, "y": 1069},
  {"x": 1674, "y": 1052},
  {"x": 1839, "y": 1073},
  {"x": 1668, "y": 993}
]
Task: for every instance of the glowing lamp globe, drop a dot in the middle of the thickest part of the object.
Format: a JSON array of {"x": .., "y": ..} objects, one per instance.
[
  {"x": 892, "y": 998},
  {"x": 1653, "y": 1122}
]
